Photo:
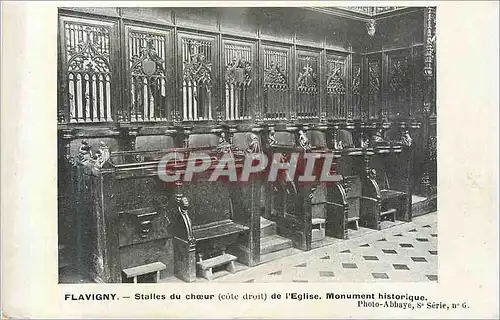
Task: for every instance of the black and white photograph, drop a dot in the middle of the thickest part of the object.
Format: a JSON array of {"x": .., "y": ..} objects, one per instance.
[
  {"x": 247, "y": 144},
  {"x": 249, "y": 160}
]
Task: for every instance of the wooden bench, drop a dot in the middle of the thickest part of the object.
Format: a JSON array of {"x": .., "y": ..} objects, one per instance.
[
  {"x": 145, "y": 269},
  {"x": 205, "y": 267}
]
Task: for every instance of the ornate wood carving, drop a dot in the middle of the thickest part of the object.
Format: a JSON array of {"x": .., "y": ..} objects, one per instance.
[
  {"x": 406, "y": 138},
  {"x": 86, "y": 157},
  {"x": 372, "y": 10},
  {"x": 238, "y": 68},
  {"x": 399, "y": 86},
  {"x": 374, "y": 75},
  {"x": 88, "y": 72},
  {"x": 356, "y": 78},
  {"x": 196, "y": 79},
  {"x": 276, "y": 96},
  {"x": 399, "y": 75},
  {"x": 271, "y": 140},
  {"x": 197, "y": 68},
  {"x": 371, "y": 27},
  {"x": 355, "y": 89},
  {"x": 275, "y": 76},
  {"x": 336, "y": 103},
  {"x": 254, "y": 146},
  {"x": 238, "y": 79},
  {"x": 147, "y": 76},
  {"x": 335, "y": 81},
  {"x": 304, "y": 141},
  {"x": 430, "y": 40},
  {"x": 224, "y": 146},
  {"x": 307, "y": 81},
  {"x": 307, "y": 85}
]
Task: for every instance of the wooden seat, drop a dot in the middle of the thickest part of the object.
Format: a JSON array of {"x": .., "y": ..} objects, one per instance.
[
  {"x": 389, "y": 194},
  {"x": 145, "y": 269},
  {"x": 205, "y": 267},
  {"x": 217, "y": 229}
]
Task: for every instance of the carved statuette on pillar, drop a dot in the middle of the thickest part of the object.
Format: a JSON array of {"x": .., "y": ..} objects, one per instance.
[
  {"x": 85, "y": 156},
  {"x": 337, "y": 143},
  {"x": 271, "y": 140},
  {"x": 223, "y": 146},
  {"x": 406, "y": 139},
  {"x": 378, "y": 137},
  {"x": 183, "y": 205},
  {"x": 304, "y": 141},
  {"x": 254, "y": 146}
]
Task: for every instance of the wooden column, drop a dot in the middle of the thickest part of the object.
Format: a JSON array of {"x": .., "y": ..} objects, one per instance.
[{"x": 429, "y": 110}]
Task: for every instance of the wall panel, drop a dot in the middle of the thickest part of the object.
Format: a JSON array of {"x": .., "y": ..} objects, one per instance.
[{"x": 239, "y": 21}]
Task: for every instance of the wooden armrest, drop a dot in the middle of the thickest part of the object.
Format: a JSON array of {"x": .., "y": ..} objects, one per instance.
[{"x": 369, "y": 199}]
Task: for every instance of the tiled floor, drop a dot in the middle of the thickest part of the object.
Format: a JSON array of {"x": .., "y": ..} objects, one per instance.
[{"x": 402, "y": 253}]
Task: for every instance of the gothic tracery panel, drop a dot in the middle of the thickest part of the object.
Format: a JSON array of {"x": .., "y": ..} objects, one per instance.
[
  {"x": 336, "y": 104},
  {"x": 88, "y": 71},
  {"x": 356, "y": 89},
  {"x": 197, "y": 57},
  {"x": 276, "y": 82},
  {"x": 147, "y": 62},
  {"x": 374, "y": 88},
  {"x": 399, "y": 85},
  {"x": 307, "y": 85},
  {"x": 239, "y": 79}
]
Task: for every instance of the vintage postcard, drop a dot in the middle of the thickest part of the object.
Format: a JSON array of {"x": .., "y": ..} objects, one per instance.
[{"x": 250, "y": 160}]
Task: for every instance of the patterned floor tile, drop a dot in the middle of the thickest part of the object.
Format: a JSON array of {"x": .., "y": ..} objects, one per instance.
[
  {"x": 380, "y": 275},
  {"x": 397, "y": 254}
]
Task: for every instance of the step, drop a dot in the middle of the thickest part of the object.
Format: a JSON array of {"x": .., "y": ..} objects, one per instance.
[
  {"x": 274, "y": 243},
  {"x": 264, "y": 258},
  {"x": 424, "y": 206},
  {"x": 267, "y": 227}
]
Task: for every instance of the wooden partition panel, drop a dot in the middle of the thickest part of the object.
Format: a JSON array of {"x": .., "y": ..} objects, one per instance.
[
  {"x": 89, "y": 70},
  {"x": 198, "y": 81},
  {"x": 149, "y": 74},
  {"x": 239, "y": 61}
]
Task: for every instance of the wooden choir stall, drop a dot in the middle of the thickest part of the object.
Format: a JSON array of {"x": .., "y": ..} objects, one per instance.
[{"x": 350, "y": 88}]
